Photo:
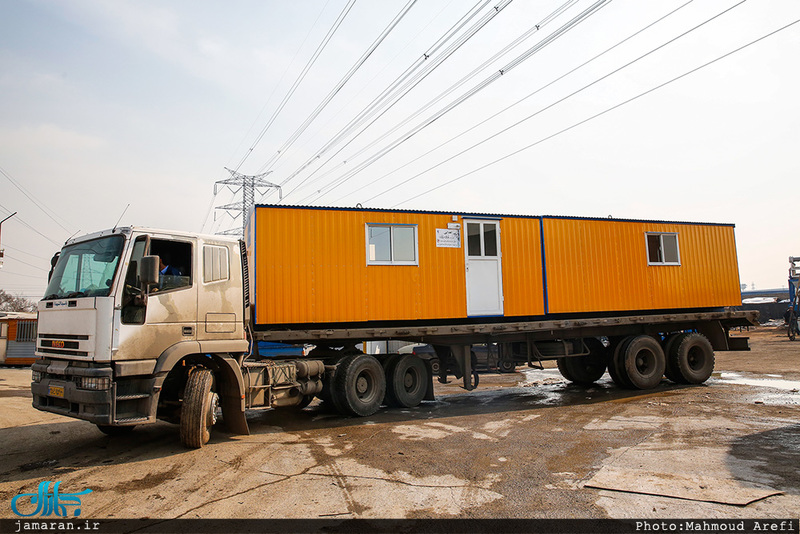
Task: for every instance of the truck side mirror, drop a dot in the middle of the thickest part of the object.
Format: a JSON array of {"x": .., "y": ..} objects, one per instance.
[{"x": 149, "y": 270}]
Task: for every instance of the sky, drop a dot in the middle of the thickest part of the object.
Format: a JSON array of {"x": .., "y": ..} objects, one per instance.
[{"x": 128, "y": 113}]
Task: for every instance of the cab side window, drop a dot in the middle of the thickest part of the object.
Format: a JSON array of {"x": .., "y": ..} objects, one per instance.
[{"x": 175, "y": 264}]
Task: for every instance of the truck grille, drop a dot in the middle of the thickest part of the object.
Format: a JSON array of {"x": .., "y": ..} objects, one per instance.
[{"x": 63, "y": 344}]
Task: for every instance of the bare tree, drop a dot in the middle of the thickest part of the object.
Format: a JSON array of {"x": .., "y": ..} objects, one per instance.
[{"x": 9, "y": 302}]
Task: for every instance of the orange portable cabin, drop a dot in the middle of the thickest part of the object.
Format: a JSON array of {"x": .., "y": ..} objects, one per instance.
[
  {"x": 17, "y": 338},
  {"x": 320, "y": 267}
]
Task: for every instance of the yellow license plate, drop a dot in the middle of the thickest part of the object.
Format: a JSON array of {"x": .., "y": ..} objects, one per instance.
[{"x": 56, "y": 391}]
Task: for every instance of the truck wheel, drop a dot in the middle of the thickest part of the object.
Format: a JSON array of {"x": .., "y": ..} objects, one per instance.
[
  {"x": 616, "y": 367},
  {"x": 644, "y": 362},
  {"x": 359, "y": 385},
  {"x": 109, "y": 430},
  {"x": 407, "y": 381},
  {"x": 199, "y": 408},
  {"x": 693, "y": 357},
  {"x": 671, "y": 370},
  {"x": 586, "y": 370}
]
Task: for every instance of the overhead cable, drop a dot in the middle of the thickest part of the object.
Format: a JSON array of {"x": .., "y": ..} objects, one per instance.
[
  {"x": 607, "y": 110},
  {"x": 406, "y": 81},
  {"x": 346, "y": 78},
  {"x": 574, "y": 22},
  {"x": 559, "y": 101},
  {"x": 507, "y": 108}
]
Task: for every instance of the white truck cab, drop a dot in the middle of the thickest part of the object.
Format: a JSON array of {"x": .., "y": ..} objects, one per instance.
[{"x": 122, "y": 308}]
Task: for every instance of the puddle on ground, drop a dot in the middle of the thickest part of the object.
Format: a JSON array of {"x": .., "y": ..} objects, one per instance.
[{"x": 775, "y": 381}]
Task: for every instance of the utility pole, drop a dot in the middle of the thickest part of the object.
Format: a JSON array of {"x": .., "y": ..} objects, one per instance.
[
  {"x": 248, "y": 185},
  {"x": 2, "y": 253}
]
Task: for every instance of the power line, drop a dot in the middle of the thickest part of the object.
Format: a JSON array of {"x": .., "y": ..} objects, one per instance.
[
  {"x": 47, "y": 211},
  {"x": 400, "y": 86},
  {"x": 612, "y": 108},
  {"x": 299, "y": 79},
  {"x": 24, "y": 223},
  {"x": 338, "y": 87},
  {"x": 571, "y": 24},
  {"x": 559, "y": 101}
]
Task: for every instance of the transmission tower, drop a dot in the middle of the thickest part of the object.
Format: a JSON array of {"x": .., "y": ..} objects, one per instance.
[{"x": 249, "y": 186}]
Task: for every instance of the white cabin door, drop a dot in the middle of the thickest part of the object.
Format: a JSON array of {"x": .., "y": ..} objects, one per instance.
[{"x": 484, "y": 272}]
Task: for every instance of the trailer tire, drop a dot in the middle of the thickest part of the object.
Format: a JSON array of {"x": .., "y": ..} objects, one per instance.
[
  {"x": 565, "y": 371},
  {"x": 507, "y": 366},
  {"x": 388, "y": 369},
  {"x": 406, "y": 381},
  {"x": 616, "y": 366},
  {"x": 359, "y": 385},
  {"x": 199, "y": 408},
  {"x": 693, "y": 357},
  {"x": 110, "y": 430},
  {"x": 644, "y": 362},
  {"x": 671, "y": 370},
  {"x": 585, "y": 370}
]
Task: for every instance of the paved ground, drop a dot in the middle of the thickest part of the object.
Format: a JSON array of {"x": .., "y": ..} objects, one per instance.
[{"x": 523, "y": 445}]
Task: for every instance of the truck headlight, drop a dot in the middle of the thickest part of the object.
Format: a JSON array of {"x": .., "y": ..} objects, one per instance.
[
  {"x": 36, "y": 376},
  {"x": 94, "y": 383}
]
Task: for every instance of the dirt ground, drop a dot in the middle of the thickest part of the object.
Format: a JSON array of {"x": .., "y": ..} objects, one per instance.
[{"x": 524, "y": 445}]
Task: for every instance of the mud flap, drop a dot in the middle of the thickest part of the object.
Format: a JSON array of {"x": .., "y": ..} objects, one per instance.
[{"x": 232, "y": 395}]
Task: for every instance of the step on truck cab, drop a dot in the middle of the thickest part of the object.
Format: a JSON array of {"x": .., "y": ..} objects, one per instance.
[{"x": 140, "y": 324}]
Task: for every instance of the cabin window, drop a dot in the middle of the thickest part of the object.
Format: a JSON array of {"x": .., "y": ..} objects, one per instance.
[
  {"x": 215, "y": 263},
  {"x": 662, "y": 249},
  {"x": 392, "y": 244}
]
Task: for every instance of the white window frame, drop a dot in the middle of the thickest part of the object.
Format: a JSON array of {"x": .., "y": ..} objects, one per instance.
[
  {"x": 391, "y": 228},
  {"x": 216, "y": 263},
  {"x": 661, "y": 245}
]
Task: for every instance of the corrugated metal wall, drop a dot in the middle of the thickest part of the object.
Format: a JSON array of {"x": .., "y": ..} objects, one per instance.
[
  {"x": 598, "y": 265},
  {"x": 310, "y": 267}
]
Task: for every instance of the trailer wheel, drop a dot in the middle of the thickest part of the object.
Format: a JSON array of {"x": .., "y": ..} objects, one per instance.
[
  {"x": 359, "y": 385},
  {"x": 110, "y": 430},
  {"x": 565, "y": 371},
  {"x": 616, "y": 367},
  {"x": 508, "y": 366},
  {"x": 693, "y": 357},
  {"x": 406, "y": 381},
  {"x": 671, "y": 370},
  {"x": 585, "y": 370},
  {"x": 199, "y": 408},
  {"x": 644, "y": 362}
]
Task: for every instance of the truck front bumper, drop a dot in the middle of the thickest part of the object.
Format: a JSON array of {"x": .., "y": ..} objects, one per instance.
[{"x": 89, "y": 391}]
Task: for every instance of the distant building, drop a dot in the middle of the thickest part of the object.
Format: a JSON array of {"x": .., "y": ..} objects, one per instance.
[{"x": 17, "y": 338}]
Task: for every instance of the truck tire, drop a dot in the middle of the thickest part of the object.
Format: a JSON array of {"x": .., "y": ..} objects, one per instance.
[
  {"x": 586, "y": 370},
  {"x": 565, "y": 371},
  {"x": 110, "y": 430},
  {"x": 644, "y": 362},
  {"x": 693, "y": 357},
  {"x": 199, "y": 408},
  {"x": 616, "y": 367},
  {"x": 406, "y": 381},
  {"x": 359, "y": 385},
  {"x": 671, "y": 371}
]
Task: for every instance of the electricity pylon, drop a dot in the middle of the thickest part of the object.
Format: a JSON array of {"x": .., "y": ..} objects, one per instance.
[{"x": 248, "y": 185}]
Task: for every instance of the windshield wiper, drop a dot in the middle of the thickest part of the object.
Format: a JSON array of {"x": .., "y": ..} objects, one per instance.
[
  {"x": 75, "y": 294},
  {"x": 52, "y": 296}
]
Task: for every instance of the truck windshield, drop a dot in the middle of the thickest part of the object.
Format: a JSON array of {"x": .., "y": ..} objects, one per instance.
[{"x": 86, "y": 269}]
